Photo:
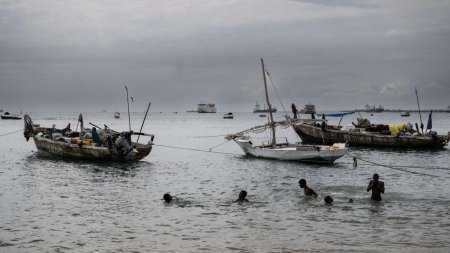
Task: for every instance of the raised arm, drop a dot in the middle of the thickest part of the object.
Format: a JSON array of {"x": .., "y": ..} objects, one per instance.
[{"x": 369, "y": 187}]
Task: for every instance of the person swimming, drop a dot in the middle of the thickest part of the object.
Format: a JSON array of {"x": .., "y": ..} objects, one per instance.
[
  {"x": 167, "y": 198},
  {"x": 308, "y": 191},
  {"x": 328, "y": 200},
  {"x": 242, "y": 197}
]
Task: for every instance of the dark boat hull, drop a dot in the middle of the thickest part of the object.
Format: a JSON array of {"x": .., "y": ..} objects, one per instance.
[
  {"x": 11, "y": 117},
  {"x": 87, "y": 152},
  {"x": 313, "y": 134}
]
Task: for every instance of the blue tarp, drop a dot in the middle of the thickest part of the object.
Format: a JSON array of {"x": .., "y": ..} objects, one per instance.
[{"x": 336, "y": 115}]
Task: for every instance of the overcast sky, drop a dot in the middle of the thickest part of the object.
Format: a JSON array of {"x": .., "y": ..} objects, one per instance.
[{"x": 75, "y": 55}]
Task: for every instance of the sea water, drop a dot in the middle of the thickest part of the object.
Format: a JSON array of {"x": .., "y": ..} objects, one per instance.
[{"x": 48, "y": 204}]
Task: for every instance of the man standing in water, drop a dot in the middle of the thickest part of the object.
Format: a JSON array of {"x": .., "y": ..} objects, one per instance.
[
  {"x": 376, "y": 186},
  {"x": 308, "y": 191}
]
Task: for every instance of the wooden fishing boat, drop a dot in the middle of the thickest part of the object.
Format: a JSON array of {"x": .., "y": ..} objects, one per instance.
[
  {"x": 90, "y": 144},
  {"x": 310, "y": 131},
  {"x": 272, "y": 149}
]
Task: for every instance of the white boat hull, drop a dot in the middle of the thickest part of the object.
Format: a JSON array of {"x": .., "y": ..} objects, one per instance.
[
  {"x": 292, "y": 152},
  {"x": 206, "y": 108}
]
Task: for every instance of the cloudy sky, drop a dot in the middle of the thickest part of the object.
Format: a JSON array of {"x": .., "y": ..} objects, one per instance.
[{"x": 74, "y": 55}]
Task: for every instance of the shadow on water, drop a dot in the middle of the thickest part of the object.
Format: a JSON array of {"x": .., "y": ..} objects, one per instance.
[
  {"x": 247, "y": 158},
  {"x": 368, "y": 149},
  {"x": 120, "y": 167}
]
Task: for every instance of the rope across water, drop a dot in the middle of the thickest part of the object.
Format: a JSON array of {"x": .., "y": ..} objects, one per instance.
[{"x": 399, "y": 168}]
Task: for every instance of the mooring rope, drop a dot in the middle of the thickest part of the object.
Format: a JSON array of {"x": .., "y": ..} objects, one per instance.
[
  {"x": 391, "y": 167},
  {"x": 209, "y": 136},
  {"x": 11, "y": 133},
  {"x": 198, "y": 150},
  {"x": 219, "y": 145}
]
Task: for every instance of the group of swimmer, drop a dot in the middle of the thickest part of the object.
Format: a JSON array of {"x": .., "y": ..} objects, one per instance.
[{"x": 375, "y": 185}]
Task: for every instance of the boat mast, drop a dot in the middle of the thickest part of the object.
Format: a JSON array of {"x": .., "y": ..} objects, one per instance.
[
  {"x": 420, "y": 114},
  {"x": 128, "y": 103},
  {"x": 273, "y": 143}
]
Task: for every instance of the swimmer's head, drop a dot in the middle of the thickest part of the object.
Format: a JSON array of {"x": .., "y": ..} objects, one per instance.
[
  {"x": 302, "y": 183},
  {"x": 167, "y": 197},
  {"x": 328, "y": 200},
  {"x": 242, "y": 195}
]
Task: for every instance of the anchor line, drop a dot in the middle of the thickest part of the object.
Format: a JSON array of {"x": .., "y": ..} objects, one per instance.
[
  {"x": 392, "y": 167},
  {"x": 1, "y": 135},
  {"x": 198, "y": 150}
]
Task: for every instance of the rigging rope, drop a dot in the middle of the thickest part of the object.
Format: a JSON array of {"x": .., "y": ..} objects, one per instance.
[
  {"x": 11, "y": 133},
  {"x": 391, "y": 167},
  {"x": 281, "y": 101}
]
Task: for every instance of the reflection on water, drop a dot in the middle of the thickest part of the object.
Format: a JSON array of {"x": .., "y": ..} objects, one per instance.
[{"x": 52, "y": 204}]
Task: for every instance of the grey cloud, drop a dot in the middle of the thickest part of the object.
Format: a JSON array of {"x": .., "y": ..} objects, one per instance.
[{"x": 338, "y": 56}]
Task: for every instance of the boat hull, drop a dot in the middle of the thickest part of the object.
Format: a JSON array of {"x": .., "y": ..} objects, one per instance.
[
  {"x": 87, "y": 152},
  {"x": 313, "y": 134},
  {"x": 308, "y": 154},
  {"x": 11, "y": 117}
]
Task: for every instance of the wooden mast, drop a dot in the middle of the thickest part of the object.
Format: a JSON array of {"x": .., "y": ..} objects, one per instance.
[
  {"x": 420, "y": 114},
  {"x": 273, "y": 143}
]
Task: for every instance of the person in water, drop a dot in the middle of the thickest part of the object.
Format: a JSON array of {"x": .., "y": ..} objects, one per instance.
[
  {"x": 242, "y": 197},
  {"x": 167, "y": 198},
  {"x": 308, "y": 191},
  {"x": 328, "y": 200},
  {"x": 376, "y": 186}
]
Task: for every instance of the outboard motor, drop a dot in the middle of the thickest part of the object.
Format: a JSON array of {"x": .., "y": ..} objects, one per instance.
[{"x": 123, "y": 143}]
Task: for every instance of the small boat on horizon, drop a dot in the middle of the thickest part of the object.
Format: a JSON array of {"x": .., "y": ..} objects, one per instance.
[
  {"x": 8, "y": 115},
  {"x": 370, "y": 108},
  {"x": 206, "y": 108},
  {"x": 258, "y": 109},
  {"x": 117, "y": 115},
  {"x": 308, "y": 109},
  {"x": 228, "y": 115},
  {"x": 405, "y": 114}
]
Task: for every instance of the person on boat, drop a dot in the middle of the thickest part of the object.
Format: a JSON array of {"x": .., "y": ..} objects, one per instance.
[
  {"x": 328, "y": 200},
  {"x": 294, "y": 110},
  {"x": 66, "y": 131},
  {"x": 308, "y": 191},
  {"x": 376, "y": 186},
  {"x": 95, "y": 136},
  {"x": 167, "y": 198},
  {"x": 242, "y": 197},
  {"x": 323, "y": 126}
]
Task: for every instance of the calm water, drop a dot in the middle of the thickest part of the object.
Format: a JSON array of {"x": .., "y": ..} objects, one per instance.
[{"x": 53, "y": 205}]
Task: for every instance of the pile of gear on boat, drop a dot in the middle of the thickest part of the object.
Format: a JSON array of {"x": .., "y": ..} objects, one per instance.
[
  {"x": 400, "y": 129},
  {"x": 119, "y": 142}
]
